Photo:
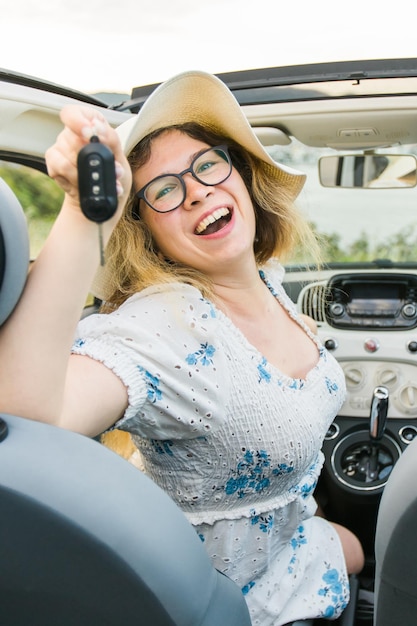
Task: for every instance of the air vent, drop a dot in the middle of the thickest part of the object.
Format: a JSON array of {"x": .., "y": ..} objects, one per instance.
[{"x": 312, "y": 300}]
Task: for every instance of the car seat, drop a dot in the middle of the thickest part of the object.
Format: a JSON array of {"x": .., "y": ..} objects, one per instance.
[
  {"x": 14, "y": 250},
  {"x": 85, "y": 537},
  {"x": 396, "y": 545}
]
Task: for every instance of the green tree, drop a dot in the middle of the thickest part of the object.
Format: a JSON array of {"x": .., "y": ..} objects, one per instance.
[
  {"x": 38, "y": 194},
  {"x": 401, "y": 246}
]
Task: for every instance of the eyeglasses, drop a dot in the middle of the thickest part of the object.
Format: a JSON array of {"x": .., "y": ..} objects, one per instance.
[{"x": 167, "y": 192}]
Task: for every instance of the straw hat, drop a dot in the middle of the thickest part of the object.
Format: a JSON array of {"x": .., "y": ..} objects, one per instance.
[{"x": 203, "y": 98}]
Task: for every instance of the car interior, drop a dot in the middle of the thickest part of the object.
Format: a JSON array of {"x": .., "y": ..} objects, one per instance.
[{"x": 352, "y": 127}]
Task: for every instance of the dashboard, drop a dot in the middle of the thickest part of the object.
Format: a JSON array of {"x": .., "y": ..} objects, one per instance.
[{"x": 368, "y": 320}]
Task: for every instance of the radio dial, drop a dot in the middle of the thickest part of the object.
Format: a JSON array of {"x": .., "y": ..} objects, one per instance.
[
  {"x": 406, "y": 399},
  {"x": 337, "y": 309},
  {"x": 409, "y": 310}
]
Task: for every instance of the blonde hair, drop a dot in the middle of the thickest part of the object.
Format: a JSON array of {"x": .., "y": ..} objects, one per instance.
[{"x": 133, "y": 255}]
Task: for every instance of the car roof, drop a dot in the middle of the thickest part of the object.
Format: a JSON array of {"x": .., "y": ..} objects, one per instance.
[
  {"x": 29, "y": 116},
  {"x": 341, "y": 105},
  {"x": 315, "y": 103}
]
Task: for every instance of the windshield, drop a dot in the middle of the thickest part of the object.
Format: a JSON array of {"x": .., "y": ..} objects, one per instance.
[{"x": 354, "y": 225}]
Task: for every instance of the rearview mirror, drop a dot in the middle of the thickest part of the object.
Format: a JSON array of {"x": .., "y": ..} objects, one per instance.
[{"x": 369, "y": 171}]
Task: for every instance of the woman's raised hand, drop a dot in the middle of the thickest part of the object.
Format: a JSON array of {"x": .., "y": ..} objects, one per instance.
[{"x": 80, "y": 124}]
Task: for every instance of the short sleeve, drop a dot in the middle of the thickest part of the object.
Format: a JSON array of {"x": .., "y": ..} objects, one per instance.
[{"x": 163, "y": 343}]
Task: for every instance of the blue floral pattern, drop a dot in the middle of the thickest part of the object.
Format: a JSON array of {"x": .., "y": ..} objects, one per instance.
[
  {"x": 202, "y": 356},
  {"x": 334, "y": 590},
  {"x": 296, "y": 384},
  {"x": 248, "y": 587},
  {"x": 332, "y": 386},
  {"x": 264, "y": 375},
  {"x": 307, "y": 487},
  {"x": 153, "y": 391},
  {"x": 212, "y": 310},
  {"x": 162, "y": 447},
  {"x": 250, "y": 475},
  {"x": 296, "y": 542},
  {"x": 268, "y": 283},
  {"x": 265, "y": 522}
]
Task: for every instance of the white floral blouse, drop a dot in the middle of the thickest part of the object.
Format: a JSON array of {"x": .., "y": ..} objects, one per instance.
[{"x": 232, "y": 440}]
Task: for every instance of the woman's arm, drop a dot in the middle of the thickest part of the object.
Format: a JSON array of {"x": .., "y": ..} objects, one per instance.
[{"x": 38, "y": 377}]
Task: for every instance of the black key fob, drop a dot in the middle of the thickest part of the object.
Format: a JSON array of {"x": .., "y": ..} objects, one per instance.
[{"x": 97, "y": 181}]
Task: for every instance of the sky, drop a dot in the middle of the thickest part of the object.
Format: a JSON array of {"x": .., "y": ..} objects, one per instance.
[{"x": 114, "y": 45}]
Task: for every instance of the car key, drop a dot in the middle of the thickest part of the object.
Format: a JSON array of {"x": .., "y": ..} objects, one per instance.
[{"x": 97, "y": 185}]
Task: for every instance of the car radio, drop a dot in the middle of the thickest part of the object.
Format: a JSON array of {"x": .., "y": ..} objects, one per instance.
[{"x": 381, "y": 301}]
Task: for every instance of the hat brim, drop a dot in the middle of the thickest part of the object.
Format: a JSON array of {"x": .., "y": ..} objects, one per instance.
[{"x": 197, "y": 96}]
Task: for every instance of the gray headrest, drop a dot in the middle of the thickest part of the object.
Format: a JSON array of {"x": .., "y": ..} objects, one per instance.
[{"x": 14, "y": 251}]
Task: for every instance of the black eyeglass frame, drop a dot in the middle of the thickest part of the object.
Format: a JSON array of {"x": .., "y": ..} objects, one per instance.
[{"x": 180, "y": 176}]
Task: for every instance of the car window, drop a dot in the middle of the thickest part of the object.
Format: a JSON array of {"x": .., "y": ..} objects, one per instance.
[
  {"x": 354, "y": 225},
  {"x": 40, "y": 197}
]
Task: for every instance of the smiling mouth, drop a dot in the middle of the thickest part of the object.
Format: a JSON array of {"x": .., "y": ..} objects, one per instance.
[{"x": 214, "y": 222}]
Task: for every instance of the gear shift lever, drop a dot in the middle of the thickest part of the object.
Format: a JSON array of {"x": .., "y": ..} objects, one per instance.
[
  {"x": 378, "y": 415},
  {"x": 377, "y": 424}
]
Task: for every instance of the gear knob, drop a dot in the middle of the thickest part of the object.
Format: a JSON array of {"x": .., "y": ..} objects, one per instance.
[{"x": 379, "y": 412}]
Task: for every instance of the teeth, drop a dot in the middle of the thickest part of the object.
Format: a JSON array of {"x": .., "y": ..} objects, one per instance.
[{"x": 210, "y": 219}]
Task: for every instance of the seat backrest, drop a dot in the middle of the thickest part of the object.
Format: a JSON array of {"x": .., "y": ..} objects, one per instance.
[
  {"x": 14, "y": 250},
  {"x": 85, "y": 537},
  {"x": 396, "y": 545}
]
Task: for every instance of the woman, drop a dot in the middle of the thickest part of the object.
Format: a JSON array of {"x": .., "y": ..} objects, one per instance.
[{"x": 198, "y": 353}]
